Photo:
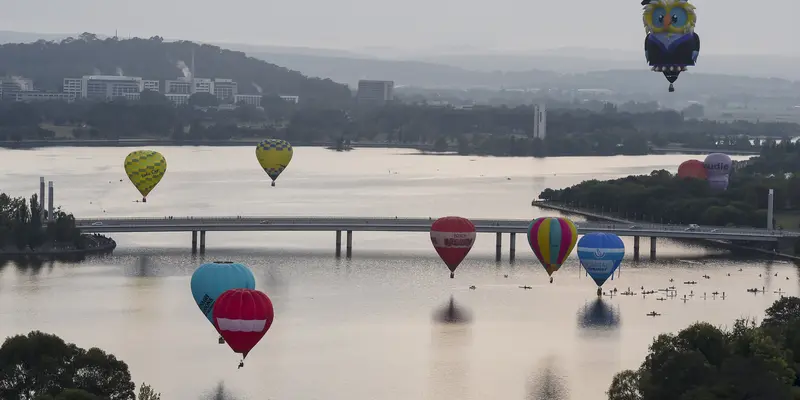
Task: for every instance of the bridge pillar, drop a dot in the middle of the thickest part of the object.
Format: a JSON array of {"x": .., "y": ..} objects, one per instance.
[
  {"x": 194, "y": 241},
  {"x": 636, "y": 248},
  {"x": 512, "y": 247},
  {"x": 202, "y": 242},
  {"x": 338, "y": 244},
  {"x": 498, "y": 246},
  {"x": 349, "y": 244},
  {"x": 652, "y": 248}
]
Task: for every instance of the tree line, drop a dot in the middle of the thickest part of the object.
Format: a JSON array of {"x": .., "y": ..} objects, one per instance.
[
  {"x": 704, "y": 362},
  {"x": 666, "y": 198},
  {"x": 497, "y": 131},
  {"x": 22, "y": 227}
]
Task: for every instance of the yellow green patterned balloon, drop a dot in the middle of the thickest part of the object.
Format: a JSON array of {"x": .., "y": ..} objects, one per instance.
[
  {"x": 145, "y": 168},
  {"x": 274, "y": 155}
]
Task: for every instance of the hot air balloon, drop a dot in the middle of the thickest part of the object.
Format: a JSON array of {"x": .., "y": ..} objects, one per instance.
[
  {"x": 552, "y": 240},
  {"x": 210, "y": 280},
  {"x": 145, "y": 168},
  {"x": 692, "y": 169},
  {"x": 274, "y": 155},
  {"x": 452, "y": 237},
  {"x": 600, "y": 254},
  {"x": 242, "y": 317},
  {"x": 671, "y": 44},
  {"x": 718, "y": 169}
]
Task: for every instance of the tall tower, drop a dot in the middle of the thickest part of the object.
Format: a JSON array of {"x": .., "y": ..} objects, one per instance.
[
  {"x": 193, "y": 88},
  {"x": 540, "y": 121}
]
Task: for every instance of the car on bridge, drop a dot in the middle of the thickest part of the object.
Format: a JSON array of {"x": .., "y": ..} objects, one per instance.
[
  {"x": 692, "y": 227},
  {"x": 98, "y": 223}
]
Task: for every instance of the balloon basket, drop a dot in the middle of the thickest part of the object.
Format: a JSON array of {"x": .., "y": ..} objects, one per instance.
[
  {"x": 144, "y": 199},
  {"x": 671, "y": 88},
  {"x": 273, "y": 184},
  {"x": 452, "y": 275},
  {"x": 221, "y": 340}
]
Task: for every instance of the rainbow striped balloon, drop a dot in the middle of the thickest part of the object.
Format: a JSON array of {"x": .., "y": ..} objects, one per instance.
[{"x": 552, "y": 240}]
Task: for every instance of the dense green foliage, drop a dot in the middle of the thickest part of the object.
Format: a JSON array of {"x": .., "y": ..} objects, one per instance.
[
  {"x": 38, "y": 365},
  {"x": 703, "y": 362},
  {"x": 48, "y": 63},
  {"x": 498, "y": 131},
  {"x": 21, "y": 226},
  {"x": 663, "y": 197}
]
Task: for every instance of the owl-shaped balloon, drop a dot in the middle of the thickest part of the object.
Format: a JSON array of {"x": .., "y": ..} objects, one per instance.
[{"x": 671, "y": 44}]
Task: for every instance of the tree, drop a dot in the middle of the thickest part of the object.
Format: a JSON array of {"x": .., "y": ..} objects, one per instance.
[
  {"x": 703, "y": 362},
  {"x": 40, "y": 364},
  {"x": 147, "y": 393},
  {"x": 203, "y": 99},
  {"x": 625, "y": 386}
]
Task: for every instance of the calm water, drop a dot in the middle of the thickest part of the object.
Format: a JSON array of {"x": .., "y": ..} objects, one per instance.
[{"x": 359, "y": 329}]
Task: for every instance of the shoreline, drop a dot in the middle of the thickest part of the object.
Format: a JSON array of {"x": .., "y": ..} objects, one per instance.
[
  {"x": 97, "y": 244},
  {"x": 425, "y": 149},
  {"x": 591, "y": 215}
]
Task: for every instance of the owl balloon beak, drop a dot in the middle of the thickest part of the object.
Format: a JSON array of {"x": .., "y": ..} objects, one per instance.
[{"x": 667, "y": 21}]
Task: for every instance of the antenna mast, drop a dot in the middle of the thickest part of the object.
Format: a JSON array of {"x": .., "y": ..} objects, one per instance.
[{"x": 193, "y": 89}]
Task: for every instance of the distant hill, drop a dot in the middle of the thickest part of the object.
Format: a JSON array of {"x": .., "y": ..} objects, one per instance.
[
  {"x": 48, "y": 63},
  {"x": 432, "y": 75}
]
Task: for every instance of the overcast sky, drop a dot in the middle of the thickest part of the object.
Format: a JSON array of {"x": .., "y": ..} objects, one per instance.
[{"x": 767, "y": 26}]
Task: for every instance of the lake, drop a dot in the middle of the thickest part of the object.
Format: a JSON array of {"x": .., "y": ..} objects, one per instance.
[{"x": 360, "y": 329}]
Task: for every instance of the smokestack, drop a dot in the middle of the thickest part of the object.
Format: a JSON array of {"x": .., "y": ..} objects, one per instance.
[
  {"x": 41, "y": 198},
  {"x": 770, "y": 208},
  {"x": 193, "y": 87},
  {"x": 50, "y": 201}
]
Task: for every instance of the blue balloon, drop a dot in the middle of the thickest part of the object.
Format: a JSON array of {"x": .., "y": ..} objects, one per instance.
[
  {"x": 210, "y": 280},
  {"x": 600, "y": 254}
]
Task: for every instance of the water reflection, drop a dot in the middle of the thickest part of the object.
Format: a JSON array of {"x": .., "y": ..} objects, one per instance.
[
  {"x": 548, "y": 383},
  {"x": 598, "y": 316},
  {"x": 452, "y": 313},
  {"x": 219, "y": 392},
  {"x": 451, "y": 338}
]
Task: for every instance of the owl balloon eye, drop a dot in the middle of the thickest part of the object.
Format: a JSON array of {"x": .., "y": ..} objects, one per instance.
[
  {"x": 658, "y": 17},
  {"x": 679, "y": 18}
]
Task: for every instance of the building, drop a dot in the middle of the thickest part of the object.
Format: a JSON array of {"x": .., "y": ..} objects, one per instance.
[
  {"x": 225, "y": 89},
  {"x": 11, "y": 85},
  {"x": 249, "y": 99},
  {"x": 107, "y": 86},
  {"x": 539, "y": 121},
  {"x": 188, "y": 85},
  {"x": 291, "y": 99},
  {"x": 153, "y": 86},
  {"x": 42, "y": 96},
  {"x": 374, "y": 92}
]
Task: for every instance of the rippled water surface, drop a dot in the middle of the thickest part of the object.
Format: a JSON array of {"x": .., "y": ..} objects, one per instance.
[{"x": 360, "y": 329}]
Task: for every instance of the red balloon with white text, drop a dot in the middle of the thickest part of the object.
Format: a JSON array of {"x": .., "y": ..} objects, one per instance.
[
  {"x": 242, "y": 317},
  {"x": 452, "y": 237}
]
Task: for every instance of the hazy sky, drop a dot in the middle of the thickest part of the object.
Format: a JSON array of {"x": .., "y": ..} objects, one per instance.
[{"x": 767, "y": 26}]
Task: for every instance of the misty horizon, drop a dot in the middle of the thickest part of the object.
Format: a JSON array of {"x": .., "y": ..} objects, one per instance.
[{"x": 506, "y": 26}]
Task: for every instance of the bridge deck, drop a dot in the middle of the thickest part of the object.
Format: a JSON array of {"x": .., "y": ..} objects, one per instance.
[{"x": 270, "y": 223}]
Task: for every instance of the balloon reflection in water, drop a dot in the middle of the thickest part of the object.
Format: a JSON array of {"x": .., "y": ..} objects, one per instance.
[
  {"x": 452, "y": 313},
  {"x": 548, "y": 383},
  {"x": 598, "y": 316}
]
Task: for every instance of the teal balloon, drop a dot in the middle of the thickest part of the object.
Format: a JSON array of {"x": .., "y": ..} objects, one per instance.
[{"x": 210, "y": 280}]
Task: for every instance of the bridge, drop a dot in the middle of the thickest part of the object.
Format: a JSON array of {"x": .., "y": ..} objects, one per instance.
[{"x": 349, "y": 225}]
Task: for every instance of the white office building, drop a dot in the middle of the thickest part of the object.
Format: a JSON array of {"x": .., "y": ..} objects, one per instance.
[
  {"x": 184, "y": 85},
  {"x": 291, "y": 99},
  {"x": 539, "y": 121},
  {"x": 107, "y": 86},
  {"x": 374, "y": 92},
  {"x": 42, "y": 96},
  {"x": 153, "y": 86},
  {"x": 249, "y": 99},
  {"x": 11, "y": 85},
  {"x": 225, "y": 89}
]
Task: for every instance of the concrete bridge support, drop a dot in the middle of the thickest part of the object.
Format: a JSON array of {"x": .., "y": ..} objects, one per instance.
[
  {"x": 202, "y": 242},
  {"x": 652, "y": 248},
  {"x": 512, "y": 247},
  {"x": 338, "y": 244},
  {"x": 498, "y": 255},
  {"x": 194, "y": 241},
  {"x": 636, "y": 248},
  {"x": 349, "y": 244}
]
